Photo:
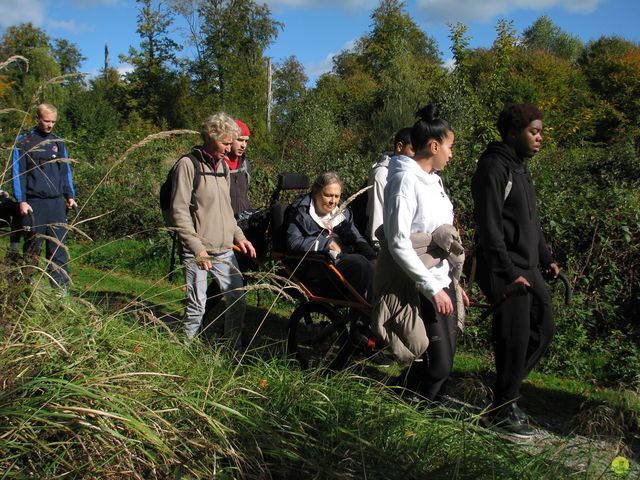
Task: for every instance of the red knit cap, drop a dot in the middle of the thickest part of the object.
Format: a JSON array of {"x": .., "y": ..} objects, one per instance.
[{"x": 244, "y": 130}]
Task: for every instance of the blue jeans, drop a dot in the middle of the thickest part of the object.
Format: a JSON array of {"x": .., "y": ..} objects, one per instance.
[{"x": 226, "y": 273}]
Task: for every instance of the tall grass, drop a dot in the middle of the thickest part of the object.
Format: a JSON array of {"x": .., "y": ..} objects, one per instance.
[
  {"x": 86, "y": 393},
  {"x": 89, "y": 394}
]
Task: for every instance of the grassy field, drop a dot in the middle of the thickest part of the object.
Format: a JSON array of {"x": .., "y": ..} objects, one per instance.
[{"x": 98, "y": 384}]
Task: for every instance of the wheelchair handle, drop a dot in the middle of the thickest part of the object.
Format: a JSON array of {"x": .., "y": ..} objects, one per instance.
[{"x": 568, "y": 291}]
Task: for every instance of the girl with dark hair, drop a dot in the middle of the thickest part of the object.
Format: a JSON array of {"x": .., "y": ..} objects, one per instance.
[{"x": 415, "y": 205}]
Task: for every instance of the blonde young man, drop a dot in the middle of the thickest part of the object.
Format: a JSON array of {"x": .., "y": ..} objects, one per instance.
[
  {"x": 207, "y": 228},
  {"x": 43, "y": 188}
]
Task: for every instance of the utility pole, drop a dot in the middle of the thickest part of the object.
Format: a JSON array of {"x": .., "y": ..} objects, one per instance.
[
  {"x": 269, "y": 94},
  {"x": 106, "y": 57}
]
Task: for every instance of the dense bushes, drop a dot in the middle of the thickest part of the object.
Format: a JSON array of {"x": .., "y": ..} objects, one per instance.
[{"x": 590, "y": 208}]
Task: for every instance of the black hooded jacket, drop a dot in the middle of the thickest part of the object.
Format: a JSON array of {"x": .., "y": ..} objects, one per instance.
[{"x": 508, "y": 232}]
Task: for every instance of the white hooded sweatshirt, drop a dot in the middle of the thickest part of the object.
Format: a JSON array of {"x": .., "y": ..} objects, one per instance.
[
  {"x": 415, "y": 201},
  {"x": 375, "y": 203}
]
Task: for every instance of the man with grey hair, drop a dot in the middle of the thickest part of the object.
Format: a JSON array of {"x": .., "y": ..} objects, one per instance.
[
  {"x": 43, "y": 189},
  {"x": 207, "y": 229}
]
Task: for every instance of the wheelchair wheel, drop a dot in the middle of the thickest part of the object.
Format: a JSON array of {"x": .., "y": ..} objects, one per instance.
[{"x": 318, "y": 337}]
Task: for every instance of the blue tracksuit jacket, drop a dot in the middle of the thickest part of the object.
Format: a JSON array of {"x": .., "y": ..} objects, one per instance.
[{"x": 37, "y": 170}]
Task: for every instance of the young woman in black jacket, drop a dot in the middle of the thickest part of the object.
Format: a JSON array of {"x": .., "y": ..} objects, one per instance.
[{"x": 511, "y": 249}]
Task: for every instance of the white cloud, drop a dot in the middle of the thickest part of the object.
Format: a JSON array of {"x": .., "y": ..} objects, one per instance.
[
  {"x": 14, "y": 12},
  {"x": 449, "y": 63},
  {"x": 323, "y": 66},
  {"x": 68, "y": 25},
  {"x": 326, "y": 64},
  {"x": 345, "y": 4},
  {"x": 124, "y": 68},
  {"x": 93, "y": 3},
  {"x": 439, "y": 11}
]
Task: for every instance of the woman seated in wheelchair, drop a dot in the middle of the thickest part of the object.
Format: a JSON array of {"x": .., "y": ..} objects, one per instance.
[{"x": 317, "y": 225}]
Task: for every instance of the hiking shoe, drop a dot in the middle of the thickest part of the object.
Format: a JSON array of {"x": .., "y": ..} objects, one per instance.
[
  {"x": 508, "y": 421},
  {"x": 518, "y": 413},
  {"x": 380, "y": 360}
]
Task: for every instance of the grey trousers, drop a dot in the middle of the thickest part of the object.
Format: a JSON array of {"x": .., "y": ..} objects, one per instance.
[{"x": 226, "y": 273}]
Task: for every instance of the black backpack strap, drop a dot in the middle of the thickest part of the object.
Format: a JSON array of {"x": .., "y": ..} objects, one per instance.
[{"x": 198, "y": 173}]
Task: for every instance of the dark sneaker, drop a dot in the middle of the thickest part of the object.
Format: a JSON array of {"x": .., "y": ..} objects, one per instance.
[
  {"x": 519, "y": 414},
  {"x": 515, "y": 428},
  {"x": 509, "y": 420},
  {"x": 380, "y": 360}
]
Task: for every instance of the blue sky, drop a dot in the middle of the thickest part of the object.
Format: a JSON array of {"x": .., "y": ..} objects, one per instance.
[{"x": 315, "y": 30}]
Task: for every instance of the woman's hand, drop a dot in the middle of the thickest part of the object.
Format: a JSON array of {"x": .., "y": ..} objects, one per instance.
[
  {"x": 335, "y": 247},
  {"x": 443, "y": 303},
  {"x": 246, "y": 247},
  {"x": 519, "y": 281},
  {"x": 203, "y": 260},
  {"x": 465, "y": 298}
]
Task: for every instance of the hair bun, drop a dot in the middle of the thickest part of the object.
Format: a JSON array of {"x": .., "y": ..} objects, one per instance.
[{"x": 427, "y": 113}]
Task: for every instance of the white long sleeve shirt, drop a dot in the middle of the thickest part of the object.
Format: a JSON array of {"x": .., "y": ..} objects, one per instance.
[
  {"x": 415, "y": 201},
  {"x": 375, "y": 204}
]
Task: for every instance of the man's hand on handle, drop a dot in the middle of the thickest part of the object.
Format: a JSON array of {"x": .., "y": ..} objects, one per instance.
[
  {"x": 25, "y": 209},
  {"x": 246, "y": 247}
]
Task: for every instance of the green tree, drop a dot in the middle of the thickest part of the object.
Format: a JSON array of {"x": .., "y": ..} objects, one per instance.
[
  {"x": 32, "y": 85},
  {"x": 289, "y": 84},
  {"x": 612, "y": 68},
  {"x": 393, "y": 34},
  {"x": 544, "y": 35},
  {"x": 68, "y": 56},
  {"x": 151, "y": 82},
  {"x": 236, "y": 34}
]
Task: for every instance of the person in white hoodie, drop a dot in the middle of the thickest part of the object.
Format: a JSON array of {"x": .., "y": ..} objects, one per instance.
[
  {"x": 415, "y": 202},
  {"x": 378, "y": 180}
]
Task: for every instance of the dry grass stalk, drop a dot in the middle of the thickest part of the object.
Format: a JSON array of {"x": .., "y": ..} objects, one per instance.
[
  {"x": 50, "y": 337},
  {"x": 58, "y": 243},
  {"x": 132, "y": 148},
  {"x": 346, "y": 203},
  {"x": 53, "y": 81},
  {"x": 68, "y": 226},
  {"x": 16, "y": 110},
  {"x": 14, "y": 59}
]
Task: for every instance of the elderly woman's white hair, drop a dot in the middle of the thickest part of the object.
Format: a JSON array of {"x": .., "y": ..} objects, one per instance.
[{"x": 219, "y": 125}]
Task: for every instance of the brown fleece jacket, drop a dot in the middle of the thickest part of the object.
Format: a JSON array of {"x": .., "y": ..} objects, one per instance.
[{"x": 212, "y": 226}]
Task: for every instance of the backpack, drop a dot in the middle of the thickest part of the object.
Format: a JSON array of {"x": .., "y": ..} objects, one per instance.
[{"x": 166, "y": 189}]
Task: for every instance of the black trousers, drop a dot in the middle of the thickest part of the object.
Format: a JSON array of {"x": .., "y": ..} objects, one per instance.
[
  {"x": 10, "y": 216},
  {"x": 48, "y": 224},
  {"x": 429, "y": 376},
  {"x": 358, "y": 271},
  {"x": 522, "y": 330}
]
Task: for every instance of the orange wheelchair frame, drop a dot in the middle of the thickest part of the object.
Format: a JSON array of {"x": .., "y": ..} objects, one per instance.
[{"x": 323, "y": 331}]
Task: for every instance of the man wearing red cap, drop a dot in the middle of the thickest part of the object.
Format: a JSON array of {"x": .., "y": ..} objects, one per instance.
[{"x": 239, "y": 171}]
